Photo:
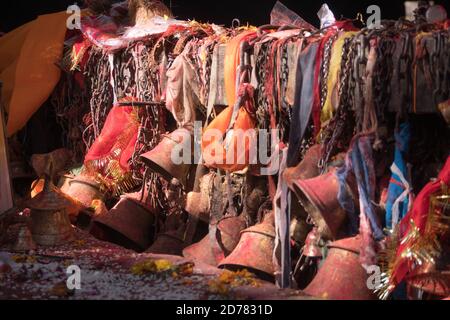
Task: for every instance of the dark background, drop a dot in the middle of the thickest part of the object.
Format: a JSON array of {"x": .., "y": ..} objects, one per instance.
[{"x": 16, "y": 12}]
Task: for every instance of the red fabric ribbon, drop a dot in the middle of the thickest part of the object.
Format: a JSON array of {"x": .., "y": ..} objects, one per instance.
[{"x": 419, "y": 215}]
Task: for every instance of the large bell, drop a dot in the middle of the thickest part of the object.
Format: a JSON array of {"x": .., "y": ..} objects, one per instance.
[
  {"x": 170, "y": 242},
  {"x": 318, "y": 196},
  {"x": 308, "y": 168},
  {"x": 130, "y": 224},
  {"x": 84, "y": 189},
  {"x": 341, "y": 276},
  {"x": 214, "y": 247},
  {"x": 254, "y": 251},
  {"x": 50, "y": 224},
  {"x": 160, "y": 158}
]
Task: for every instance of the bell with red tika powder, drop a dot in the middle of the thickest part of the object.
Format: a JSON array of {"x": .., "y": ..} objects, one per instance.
[
  {"x": 160, "y": 159},
  {"x": 212, "y": 250},
  {"x": 254, "y": 251},
  {"x": 341, "y": 276},
  {"x": 308, "y": 168},
  {"x": 318, "y": 196},
  {"x": 203, "y": 251}
]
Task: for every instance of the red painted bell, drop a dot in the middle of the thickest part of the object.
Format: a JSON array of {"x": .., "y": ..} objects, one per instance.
[
  {"x": 229, "y": 230},
  {"x": 206, "y": 250},
  {"x": 160, "y": 159},
  {"x": 341, "y": 276},
  {"x": 318, "y": 196},
  {"x": 130, "y": 224},
  {"x": 212, "y": 249},
  {"x": 308, "y": 168},
  {"x": 254, "y": 251}
]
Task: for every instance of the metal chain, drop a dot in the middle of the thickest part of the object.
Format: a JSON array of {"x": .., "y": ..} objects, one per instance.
[{"x": 340, "y": 130}]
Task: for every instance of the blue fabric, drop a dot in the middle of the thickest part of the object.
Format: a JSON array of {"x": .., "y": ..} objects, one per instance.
[
  {"x": 395, "y": 189},
  {"x": 304, "y": 101},
  {"x": 359, "y": 162}
]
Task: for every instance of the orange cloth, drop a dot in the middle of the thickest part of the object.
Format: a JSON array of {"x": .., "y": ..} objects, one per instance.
[
  {"x": 28, "y": 57},
  {"x": 231, "y": 150},
  {"x": 231, "y": 63}
]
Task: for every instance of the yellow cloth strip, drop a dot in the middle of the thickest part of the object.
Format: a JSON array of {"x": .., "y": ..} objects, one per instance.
[
  {"x": 331, "y": 101},
  {"x": 28, "y": 57}
]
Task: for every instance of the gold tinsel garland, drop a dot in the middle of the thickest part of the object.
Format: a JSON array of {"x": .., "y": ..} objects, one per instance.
[
  {"x": 420, "y": 249},
  {"x": 107, "y": 170}
]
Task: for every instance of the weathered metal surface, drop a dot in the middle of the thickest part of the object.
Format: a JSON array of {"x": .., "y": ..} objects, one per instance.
[
  {"x": 341, "y": 276},
  {"x": 132, "y": 219},
  {"x": 160, "y": 158},
  {"x": 254, "y": 250},
  {"x": 318, "y": 196},
  {"x": 85, "y": 190}
]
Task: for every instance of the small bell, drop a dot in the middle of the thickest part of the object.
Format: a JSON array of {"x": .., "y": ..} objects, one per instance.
[
  {"x": 50, "y": 224},
  {"x": 24, "y": 240},
  {"x": 308, "y": 168},
  {"x": 214, "y": 247}
]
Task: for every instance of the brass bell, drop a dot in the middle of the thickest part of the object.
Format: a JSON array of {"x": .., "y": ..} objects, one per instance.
[
  {"x": 299, "y": 229},
  {"x": 160, "y": 159},
  {"x": 24, "y": 240},
  {"x": 254, "y": 251},
  {"x": 50, "y": 224},
  {"x": 318, "y": 197},
  {"x": 129, "y": 223},
  {"x": 341, "y": 276}
]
